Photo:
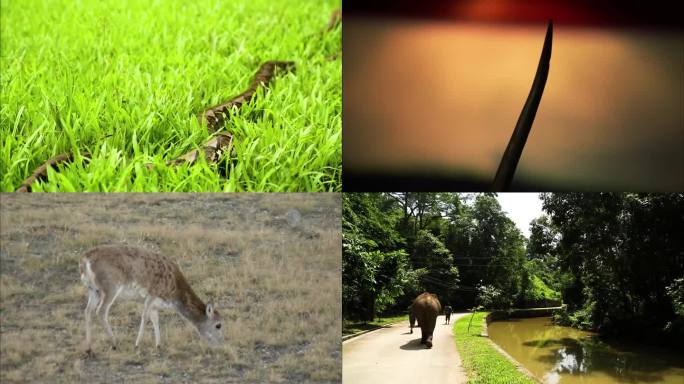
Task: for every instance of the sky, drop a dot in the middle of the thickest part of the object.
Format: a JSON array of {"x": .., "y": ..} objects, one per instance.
[{"x": 521, "y": 208}]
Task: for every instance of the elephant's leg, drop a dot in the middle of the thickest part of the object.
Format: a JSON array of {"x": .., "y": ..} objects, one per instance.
[{"x": 430, "y": 328}]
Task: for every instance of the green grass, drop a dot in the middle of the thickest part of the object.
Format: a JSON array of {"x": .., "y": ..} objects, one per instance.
[
  {"x": 125, "y": 80},
  {"x": 351, "y": 327},
  {"x": 482, "y": 362}
]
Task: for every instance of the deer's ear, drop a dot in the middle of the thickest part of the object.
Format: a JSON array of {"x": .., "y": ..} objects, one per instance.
[{"x": 210, "y": 309}]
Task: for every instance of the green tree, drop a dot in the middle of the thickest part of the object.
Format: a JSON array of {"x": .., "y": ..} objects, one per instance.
[
  {"x": 621, "y": 252},
  {"x": 374, "y": 269},
  {"x": 438, "y": 273},
  {"x": 542, "y": 242},
  {"x": 487, "y": 248}
]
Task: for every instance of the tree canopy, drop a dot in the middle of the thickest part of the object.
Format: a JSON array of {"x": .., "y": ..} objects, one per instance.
[
  {"x": 615, "y": 259},
  {"x": 449, "y": 244}
]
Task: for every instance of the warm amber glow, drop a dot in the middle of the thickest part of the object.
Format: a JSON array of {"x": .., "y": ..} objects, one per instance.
[
  {"x": 523, "y": 11},
  {"x": 484, "y": 10},
  {"x": 428, "y": 95}
]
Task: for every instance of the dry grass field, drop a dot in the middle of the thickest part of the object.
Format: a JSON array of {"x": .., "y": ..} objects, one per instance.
[{"x": 271, "y": 262}]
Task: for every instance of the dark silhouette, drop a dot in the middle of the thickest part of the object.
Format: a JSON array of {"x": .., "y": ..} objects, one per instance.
[
  {"x": 426, "y": 307},
  {"x": 373, "y": 181},
  {"x": 412, "y": 319},
  {"x": 509, "y": 161},
  {"x": 447, "y": 313}
]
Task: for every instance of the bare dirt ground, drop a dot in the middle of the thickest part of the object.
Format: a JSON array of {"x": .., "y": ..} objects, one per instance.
[
  {"x": 271, "y": 263},
  {"x": 393, "y": 355}
]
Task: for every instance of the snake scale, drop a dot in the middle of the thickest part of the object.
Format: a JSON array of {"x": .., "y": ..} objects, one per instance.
[{"x": 214, "y": 117}]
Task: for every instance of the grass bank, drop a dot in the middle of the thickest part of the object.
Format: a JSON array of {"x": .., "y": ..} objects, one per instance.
[
  {"x": 124, "y": 80},
  {"x": 483, "y": 363},
  {"x": 351, "y": 327}
]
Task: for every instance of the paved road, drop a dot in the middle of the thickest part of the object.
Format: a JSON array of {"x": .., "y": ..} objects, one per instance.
[{"x": 393, "y": 355}]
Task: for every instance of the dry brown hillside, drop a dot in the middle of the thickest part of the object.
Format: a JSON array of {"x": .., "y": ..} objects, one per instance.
[{"x": 271, "y": 262}]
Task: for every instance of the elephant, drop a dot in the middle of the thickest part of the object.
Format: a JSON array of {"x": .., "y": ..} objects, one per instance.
[
  {"x": 412, "y": 319},
  {"x": 426, "y": 308}
]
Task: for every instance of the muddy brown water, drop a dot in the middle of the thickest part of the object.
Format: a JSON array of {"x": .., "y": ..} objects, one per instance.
[{"x": 556, "y": 354}]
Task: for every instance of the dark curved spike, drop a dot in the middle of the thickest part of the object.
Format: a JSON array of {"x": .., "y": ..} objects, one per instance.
[{"x": 509, "y": 161}]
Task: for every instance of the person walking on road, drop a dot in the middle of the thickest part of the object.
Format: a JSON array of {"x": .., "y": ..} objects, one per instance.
[{"x": 447, "y": 312}]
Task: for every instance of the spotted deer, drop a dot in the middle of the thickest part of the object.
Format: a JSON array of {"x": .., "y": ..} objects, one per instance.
[{"x": 113, "y": 271}]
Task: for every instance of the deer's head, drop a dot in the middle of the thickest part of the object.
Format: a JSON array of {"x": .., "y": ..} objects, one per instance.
[{"x": 211, "y": 327}]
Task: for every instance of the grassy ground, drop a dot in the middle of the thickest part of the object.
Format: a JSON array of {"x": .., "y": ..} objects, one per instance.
[
  {"x": 481, "y": 360},
  {"x": 125, "y": 80},
  {"x": 271, "y": 263},
  {"x": 351, "y": 327}
]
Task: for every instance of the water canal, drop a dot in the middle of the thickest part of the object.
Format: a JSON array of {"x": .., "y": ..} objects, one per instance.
[{"x": 556, "y": 354}]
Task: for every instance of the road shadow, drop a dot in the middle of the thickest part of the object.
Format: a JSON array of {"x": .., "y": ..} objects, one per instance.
[{"x": 413, "y": 345}]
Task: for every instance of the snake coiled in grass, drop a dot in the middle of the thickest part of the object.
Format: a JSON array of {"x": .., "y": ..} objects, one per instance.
[{"x": 221, "y": 142}]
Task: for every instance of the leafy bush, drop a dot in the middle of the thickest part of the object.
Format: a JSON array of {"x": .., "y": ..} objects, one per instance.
[
  {"x": 538, "y": 294},
  {"x": 372, "y": 280},
  {"x": 488, "y": 296},
  {"x": 676, "y": 292},
  {"x": 579, "y": 319}
]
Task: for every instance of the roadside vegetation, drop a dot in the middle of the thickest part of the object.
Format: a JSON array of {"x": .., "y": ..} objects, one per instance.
[
  {"x": 460, "y": 246},
  {"x": 615, "y": 259},
  {"x": 125, "y": 80},
  {"x": 482, "y": 362},
  {"x": 351, "y": 327},
  {"x": 619, "y": 262}
]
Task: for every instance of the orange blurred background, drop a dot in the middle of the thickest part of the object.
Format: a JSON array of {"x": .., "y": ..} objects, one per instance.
[{"x": 440, "y": 97}]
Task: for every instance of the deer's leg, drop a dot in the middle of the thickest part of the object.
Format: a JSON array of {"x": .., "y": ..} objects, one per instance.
[
  {"x": 93, "y": 300},
  {"x": 154, "y": 316},
  {"x": 145, "y": 314},
  {"x": 106, "y": 302}
]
